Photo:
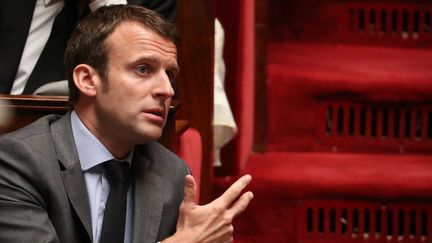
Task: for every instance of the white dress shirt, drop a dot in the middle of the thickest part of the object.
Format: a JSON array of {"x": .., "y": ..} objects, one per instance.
[
  {"x": 92, "y": 154},
  {"x": 40, "y": 28}
]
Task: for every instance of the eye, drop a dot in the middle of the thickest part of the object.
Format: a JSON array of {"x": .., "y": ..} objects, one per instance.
[{"x": 143, "y": 69}]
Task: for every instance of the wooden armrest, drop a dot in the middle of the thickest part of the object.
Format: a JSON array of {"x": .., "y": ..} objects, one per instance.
[
  {"x": 25, "y": 109},
  {"x": 181, "y": 126},
  {"x": 35, "y": 102}
]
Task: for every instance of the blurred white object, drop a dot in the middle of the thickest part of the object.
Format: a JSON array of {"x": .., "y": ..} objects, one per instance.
[
  {"x": 54, "y": 88},
  {"x": 224, "y": 126}
]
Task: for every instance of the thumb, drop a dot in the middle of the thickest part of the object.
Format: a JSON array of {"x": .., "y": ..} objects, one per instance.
[{"x": 189, "y": 190}]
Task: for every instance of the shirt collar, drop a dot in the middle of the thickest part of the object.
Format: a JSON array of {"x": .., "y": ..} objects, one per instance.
[{"x": 91, "y": 151}]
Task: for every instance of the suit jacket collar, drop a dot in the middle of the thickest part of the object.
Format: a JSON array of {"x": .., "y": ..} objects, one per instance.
[{"x": 73, "y": 179}]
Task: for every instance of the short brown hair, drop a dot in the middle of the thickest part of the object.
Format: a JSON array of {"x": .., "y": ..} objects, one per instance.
[{"x": 87, "y": 42}]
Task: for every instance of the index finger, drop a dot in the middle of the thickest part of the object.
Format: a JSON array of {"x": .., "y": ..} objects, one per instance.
[{"x": 233, "y": 192}]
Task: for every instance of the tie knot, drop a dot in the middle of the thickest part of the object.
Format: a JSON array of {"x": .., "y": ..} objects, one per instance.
[{"x": 116, "y": 171}]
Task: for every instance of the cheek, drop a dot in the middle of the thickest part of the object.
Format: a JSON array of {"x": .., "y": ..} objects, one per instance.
[{"x": 168, "y": 104}]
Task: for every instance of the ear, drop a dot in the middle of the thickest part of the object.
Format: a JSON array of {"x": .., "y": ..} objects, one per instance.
[{"x": 86, "y": 79}]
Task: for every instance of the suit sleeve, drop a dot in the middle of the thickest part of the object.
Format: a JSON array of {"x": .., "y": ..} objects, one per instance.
[
  {"x": 23, "y": 216},
  {"x": 166, "y": 8}
]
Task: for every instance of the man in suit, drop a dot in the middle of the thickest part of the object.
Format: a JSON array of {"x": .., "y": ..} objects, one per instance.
[
  {"x": 34, "y": 33},
  {"x": 97, "y": 174}
]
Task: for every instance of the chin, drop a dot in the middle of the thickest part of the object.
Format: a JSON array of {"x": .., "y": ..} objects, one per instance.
[{"x": 153, "y": 136}]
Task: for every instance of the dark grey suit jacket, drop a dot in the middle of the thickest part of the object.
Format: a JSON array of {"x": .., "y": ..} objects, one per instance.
[{"x": 43, "y": 197}]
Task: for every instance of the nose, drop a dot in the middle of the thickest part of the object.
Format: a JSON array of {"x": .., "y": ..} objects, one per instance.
[{"x": 164, "y": 88}]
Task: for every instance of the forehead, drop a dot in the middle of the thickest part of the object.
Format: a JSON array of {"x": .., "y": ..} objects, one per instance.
[{"x": 133, "y": 37}]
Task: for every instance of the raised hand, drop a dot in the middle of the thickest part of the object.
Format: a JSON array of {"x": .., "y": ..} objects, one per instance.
[{"x": 211, "y": 222}]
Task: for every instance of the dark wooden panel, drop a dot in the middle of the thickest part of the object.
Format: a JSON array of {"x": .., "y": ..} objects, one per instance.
[
  {"x": 260, "y": 125},
  {"x": 195, "y": 20}
]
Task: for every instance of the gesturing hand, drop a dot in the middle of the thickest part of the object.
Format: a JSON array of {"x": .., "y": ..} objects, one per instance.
[{"x": 211, "y": 222}]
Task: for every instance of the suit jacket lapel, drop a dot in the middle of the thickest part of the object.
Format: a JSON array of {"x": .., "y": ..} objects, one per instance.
[
  {"x": 148, "y": 201},
  {"x": 73, "y": 179}
]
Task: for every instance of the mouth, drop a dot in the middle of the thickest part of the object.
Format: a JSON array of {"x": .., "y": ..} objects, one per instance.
[{"x": 155, "y": 114}]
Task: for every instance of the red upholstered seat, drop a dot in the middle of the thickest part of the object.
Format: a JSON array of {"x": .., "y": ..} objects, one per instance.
[
  {"x": 359, "y": 68},
  {"x": 345, "y": 175},
  {"x": 325, "y": 159},
  {"x": 349, "y": 132},
  {"x": 302, "y": 76},
  {"x": 190, "y": 150}
]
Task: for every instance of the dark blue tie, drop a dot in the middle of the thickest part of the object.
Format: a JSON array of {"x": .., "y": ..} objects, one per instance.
[{"x": 113, "y": 227}]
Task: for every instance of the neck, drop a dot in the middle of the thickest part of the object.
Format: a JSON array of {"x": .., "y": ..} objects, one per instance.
[{"x": 115, "y": 146}]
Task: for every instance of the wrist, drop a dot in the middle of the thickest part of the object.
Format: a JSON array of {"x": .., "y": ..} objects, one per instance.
[
  {"x": 178, "y": 237},
  {"x": 171, "y": 239}
]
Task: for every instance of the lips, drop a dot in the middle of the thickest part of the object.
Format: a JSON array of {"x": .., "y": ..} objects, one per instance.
[{"x": 156, "y": 114}]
